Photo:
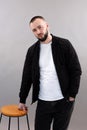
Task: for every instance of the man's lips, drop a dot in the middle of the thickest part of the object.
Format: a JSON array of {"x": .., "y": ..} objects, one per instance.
[{"x": 40, "y": 35}]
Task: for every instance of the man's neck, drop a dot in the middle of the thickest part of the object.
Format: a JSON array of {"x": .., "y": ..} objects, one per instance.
[{"x": 49, "y": 39}]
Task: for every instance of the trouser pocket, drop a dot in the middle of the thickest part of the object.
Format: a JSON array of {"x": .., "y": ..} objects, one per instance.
[{"x": 69, "y": 105}]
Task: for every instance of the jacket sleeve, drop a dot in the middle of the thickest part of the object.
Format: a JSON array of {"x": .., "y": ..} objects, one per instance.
[
  {"x": 26, "y": 77},
  {"x": 74, "y": 70}
]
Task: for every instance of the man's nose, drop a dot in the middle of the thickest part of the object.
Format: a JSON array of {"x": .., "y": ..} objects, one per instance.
[{"x": 38, "y": 31}]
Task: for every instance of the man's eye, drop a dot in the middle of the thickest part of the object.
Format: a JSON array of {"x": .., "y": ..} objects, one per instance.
[
  {"x": 39, "y": 27},
  {"x": 34, "y": 30}
]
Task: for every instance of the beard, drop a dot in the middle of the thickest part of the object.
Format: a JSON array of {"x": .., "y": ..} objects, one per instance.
[{"x": 44, "y": 38}]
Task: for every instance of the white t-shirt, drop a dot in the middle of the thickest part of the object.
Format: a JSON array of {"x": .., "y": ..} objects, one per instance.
[{"x": 49, "y": 84}]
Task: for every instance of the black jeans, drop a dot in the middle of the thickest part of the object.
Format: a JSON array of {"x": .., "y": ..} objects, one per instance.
[{"x": 56, "y": 112}]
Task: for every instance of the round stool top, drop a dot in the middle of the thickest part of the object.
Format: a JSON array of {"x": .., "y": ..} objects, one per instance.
[{"x": 12, "y": 110}]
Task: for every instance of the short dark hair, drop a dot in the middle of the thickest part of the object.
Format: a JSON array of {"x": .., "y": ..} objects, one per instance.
[{"x": 36, "y": 17}]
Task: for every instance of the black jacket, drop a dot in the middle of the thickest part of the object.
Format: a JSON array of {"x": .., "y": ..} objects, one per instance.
[{"x": 66, "y": 63}]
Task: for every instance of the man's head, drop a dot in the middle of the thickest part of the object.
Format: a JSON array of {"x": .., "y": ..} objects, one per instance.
[{"x": 39, "y": 27}]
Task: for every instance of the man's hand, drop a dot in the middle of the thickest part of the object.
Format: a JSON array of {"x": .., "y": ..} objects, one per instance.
[
  {"x": 71, "y": 99},
  {"x": 22, "y": 106}
]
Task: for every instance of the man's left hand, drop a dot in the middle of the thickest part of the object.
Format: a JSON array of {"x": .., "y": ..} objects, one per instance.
[{"x": 71, "y": 99}]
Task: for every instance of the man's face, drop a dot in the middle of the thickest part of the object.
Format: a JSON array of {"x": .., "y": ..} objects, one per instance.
[{"x": 40, "y": 29}]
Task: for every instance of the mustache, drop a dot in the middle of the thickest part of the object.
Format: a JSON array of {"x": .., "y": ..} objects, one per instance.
[{"x": 40, "y": 34}]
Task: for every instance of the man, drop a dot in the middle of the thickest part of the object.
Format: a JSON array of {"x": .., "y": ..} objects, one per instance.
[{"x": 53, "y": 69}]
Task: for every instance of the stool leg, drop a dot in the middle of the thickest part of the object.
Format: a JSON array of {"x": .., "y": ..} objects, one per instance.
[
  {"x": 27, "y": 122},
  {"x": 0, "y": 118},
  {"x": 18, "y": 123},
  {"x": 9, "y": 123}
]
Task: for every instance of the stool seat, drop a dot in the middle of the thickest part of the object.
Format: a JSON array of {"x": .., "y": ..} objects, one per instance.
[{"x": 12, "y": 110}]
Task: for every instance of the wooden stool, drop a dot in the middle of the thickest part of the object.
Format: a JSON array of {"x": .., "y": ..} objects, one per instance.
[{"x": 13, "y": 111}]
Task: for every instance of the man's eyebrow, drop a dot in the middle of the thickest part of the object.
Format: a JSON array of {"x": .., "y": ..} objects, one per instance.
[{"x": 39, "y": 26}]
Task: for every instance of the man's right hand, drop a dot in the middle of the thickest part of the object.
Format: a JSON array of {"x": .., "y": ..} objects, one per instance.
[{"x": 22, "y": 106}]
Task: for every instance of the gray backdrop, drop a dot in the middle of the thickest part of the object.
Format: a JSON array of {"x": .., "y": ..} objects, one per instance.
[{"x": 68, "y": 19}]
